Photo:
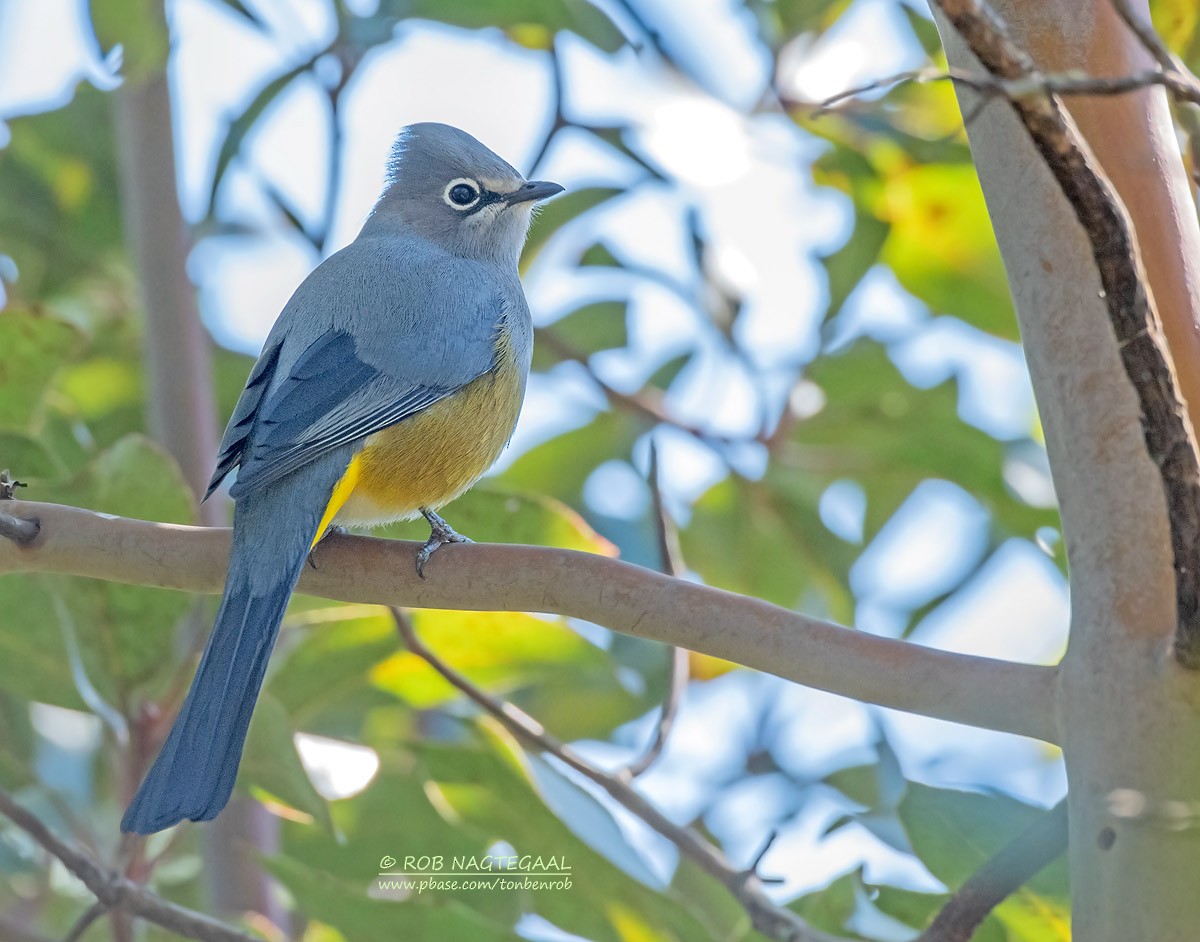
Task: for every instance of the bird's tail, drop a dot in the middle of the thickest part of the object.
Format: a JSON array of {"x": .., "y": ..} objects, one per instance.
[{"x": 194, "y": 773}]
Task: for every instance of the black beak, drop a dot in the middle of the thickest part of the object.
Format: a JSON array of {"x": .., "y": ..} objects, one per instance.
[{"x": 533, "y": 190}]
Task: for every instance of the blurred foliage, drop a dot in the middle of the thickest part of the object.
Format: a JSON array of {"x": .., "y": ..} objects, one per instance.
[{"x": 450, "y": 782}]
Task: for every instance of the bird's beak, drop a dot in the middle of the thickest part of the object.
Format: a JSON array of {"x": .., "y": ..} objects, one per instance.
[{"x": 533, "y": 190}]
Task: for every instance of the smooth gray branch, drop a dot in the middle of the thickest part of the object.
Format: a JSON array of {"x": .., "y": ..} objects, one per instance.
[{"x": 976, "y": 691}]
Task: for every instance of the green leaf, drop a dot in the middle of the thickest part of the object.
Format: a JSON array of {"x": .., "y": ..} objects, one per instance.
[
  {"x": 713, "y": 903},
  {"x": 34, "y": 348},
  {"x": 489, "y": 786},
  {"x": 599, "y": 255},
  {"x": 846, "y": 267},
  {"x": 493, "y": 513},
  {"x": 859, "y": 783},
  {"x": 136, "y": 478},
  {"x": 139, "y": 28},
  {"x": 1178, "y": 23},
  {"x": 830, "y": 908},
  {"x": 27, "y": 458},
  {"x": 323, "y": 663},
  {"x": 782, "y": 20},
  {"x": 744, "y": 536},
  {"x": 665, "y": 375},
  {"x": 925, "y": 31},
  {"x": 518, "y": 17},
  {"x": 347, "y": 907},
  {"x": 955, "y": 833},
  {"x": 560, "y": 466},
  {"x": 942, "y": 248},
  {"x": 270, "y": 762},
  {"x": 242, "y": 125},
  {"x": 559, "y": 211},
  {"x": 126, "y": 632},
  {"x": 766, "y": 537},
  {"x": 241, "y": 10},
  {"x": 33, "y": 657},
  {"x": 60, "y": 217},
  {"x": 538, "y": 663},
  {"x": 590, "y": 329},
  {"x": 16, "y": 732},
  {"x": 889, "y": 436}
]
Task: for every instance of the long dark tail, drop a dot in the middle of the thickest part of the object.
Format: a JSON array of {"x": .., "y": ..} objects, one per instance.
[{"x": 194, "y": 773}]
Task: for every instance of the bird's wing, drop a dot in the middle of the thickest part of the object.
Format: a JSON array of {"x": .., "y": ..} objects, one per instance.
[
  {"x": 233, "y": 442},
  {"x": 329, "y": 398}
]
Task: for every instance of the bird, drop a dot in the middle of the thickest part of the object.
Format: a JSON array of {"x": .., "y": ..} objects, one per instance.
[{"x": 390, "y": 383}]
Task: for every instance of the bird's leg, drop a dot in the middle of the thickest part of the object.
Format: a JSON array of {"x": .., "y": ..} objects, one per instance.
[
  {"x": 312, "y": 562},
  {"x": 440, "y": 533}
]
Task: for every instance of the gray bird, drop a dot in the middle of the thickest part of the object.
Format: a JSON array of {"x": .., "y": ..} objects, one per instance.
[{"x": 389, "y": 384}]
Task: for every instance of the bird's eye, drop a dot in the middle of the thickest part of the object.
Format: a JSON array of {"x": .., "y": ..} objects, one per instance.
[{"x": 461, "y": 194}]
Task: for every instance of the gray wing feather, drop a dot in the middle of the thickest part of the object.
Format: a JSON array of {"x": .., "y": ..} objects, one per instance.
[{"x": 233, "y": 442}]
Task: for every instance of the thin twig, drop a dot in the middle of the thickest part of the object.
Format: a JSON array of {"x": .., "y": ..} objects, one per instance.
[
  {"x": 114, "y": 891},
  {"x": 1144, "y": 30},
  {"x": 559, "y": 120},
  {"x": 9, "y": 485},
  {"x": 644, "y": 403},
  {"x": 671, "y": 563},
  {"x": 84, "y": 922},
  {"x": 758, "y": 858},
  {"x": 769, "y": 919},
  {"x": 1015, "y": 864},
  {"x": 1065, "y": 84},
  {"x": 1134, "y": 318}
]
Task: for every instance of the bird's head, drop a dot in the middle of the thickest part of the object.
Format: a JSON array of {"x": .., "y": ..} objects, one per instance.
[{"x": 445, "y": 186}]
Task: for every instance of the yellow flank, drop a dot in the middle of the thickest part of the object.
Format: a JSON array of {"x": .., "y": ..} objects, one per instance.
[
  {"x": 341, "y": 493},
  {"x": 432, "y": 457}
]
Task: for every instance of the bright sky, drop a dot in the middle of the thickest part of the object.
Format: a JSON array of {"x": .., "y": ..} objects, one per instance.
[{"x": 766, "y": 222}]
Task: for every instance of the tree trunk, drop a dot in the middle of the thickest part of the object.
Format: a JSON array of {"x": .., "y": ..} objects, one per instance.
[
  {"x": 1131, "y": 734},
  {"x": 181, "y": 415}
]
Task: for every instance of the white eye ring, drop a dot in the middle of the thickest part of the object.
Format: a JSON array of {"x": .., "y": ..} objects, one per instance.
[{"x": 453, "y": 185}]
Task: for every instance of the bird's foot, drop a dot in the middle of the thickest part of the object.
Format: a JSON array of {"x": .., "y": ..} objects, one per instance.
[
  {"x": 312, "y": 562},
  {"x": 440, "y": 533}
]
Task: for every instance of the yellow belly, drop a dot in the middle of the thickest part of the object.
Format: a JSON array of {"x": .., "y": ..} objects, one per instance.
[{"x": 430, "y": 458}]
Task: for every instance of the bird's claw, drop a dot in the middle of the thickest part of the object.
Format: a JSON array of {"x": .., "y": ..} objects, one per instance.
[
  {"x": 440, "y": 533},
  {"x": 312, "y": 553}
]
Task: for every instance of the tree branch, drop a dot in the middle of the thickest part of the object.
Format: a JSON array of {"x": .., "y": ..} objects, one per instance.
[
  {"x": 84, "y": 922},
  {"x": 671, "y": 563},
  {"x": 21, "y": 532},
  {"x": 976, "y": 691},
  {"x": 1131, "y": 310},
  {"x": 771, "y": 920},
  {"x": 1155, "y": 46},
  {"x": 1063, "y": 84},
  {"x": 115, "y": 892},
  {"x": 647, "y": 402},
  {"x": 991, "y": 884}
]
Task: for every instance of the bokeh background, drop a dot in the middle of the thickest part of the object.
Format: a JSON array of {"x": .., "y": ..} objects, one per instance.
[{"x": 805, "y": 315}]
